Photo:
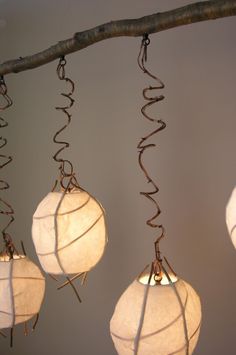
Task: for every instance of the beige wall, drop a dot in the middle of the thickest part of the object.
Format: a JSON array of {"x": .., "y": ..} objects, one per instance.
[{"x": 194, "y": 161}]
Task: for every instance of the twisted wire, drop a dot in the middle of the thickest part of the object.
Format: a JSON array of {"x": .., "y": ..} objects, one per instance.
[
  {"x": 7, "y": 209},
  {"x": 65, "y": 167},
  {"x": 157, "y": 269},
  {"x": 144, "y": 145}
]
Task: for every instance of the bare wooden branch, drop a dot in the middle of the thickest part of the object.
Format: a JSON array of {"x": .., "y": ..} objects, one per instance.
[{"x": 196, "y": 12}]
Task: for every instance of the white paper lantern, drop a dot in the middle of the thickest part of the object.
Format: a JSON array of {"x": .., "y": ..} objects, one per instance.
[
  {"x": 69, "y": 232},
  {"x": 231, "y": 216},
  {"x": 156, "y": 319},
  {"x": 22, "y": 288}
]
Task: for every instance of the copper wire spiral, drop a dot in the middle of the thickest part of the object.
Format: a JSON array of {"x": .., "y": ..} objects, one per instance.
[
  {"x": 144, "y": 145},
  {"x": 158, "y": 267},
  {"x": 10, "y": 249},
  {"x": 66, "y": 167},
  {"x": 67, "y": 179},
  {"x": 4, "y": 185}
]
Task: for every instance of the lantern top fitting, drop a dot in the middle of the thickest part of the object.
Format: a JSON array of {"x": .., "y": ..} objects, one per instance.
[{"x": 145, "y": 279}]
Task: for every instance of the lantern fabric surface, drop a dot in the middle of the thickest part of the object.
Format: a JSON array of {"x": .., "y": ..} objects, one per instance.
[
  {"x": 69, "y": 232},
  {"x": 231, "y": 216},
  {"x": 166, "y": 314},
  {"x": 22, "y": 288}
]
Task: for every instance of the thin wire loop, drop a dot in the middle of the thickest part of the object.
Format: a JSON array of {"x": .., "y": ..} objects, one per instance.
[
  {"x": 65, "y": 167},
  {"x": 7, "y": 209},
  {"x": 144, "y": 145}
]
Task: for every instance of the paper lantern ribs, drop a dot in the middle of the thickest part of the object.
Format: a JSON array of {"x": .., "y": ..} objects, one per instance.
[
  {"x": 22, "y": 288},
  {"x": 159, "y": 313},
  {"x": 69, "y": 232},
  {"x": 156, "y": 317},
  {"x": 22, "y": 284}
]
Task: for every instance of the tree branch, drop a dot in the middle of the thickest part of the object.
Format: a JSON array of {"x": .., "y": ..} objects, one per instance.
[{"x": 196, "y": 12}]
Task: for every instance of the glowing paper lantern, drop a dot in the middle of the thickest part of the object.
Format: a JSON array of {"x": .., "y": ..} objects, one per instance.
[
  {"x": 231, "y": 216},
  {"x": 69, "y": 232},
  {"x": 156, "y": 319},
  {"x": 22, "y": 287}
]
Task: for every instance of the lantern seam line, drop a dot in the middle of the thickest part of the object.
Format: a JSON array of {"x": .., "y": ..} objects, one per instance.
[
  {"x": 232, "y": 230},
  {"x": 11, "y": 292},
  {"x": 74, "y": 240},
  {"x": 56, "y": 232},
  {"x": 195, "y": 331},
  {"x": 159, "y": 330},
  {"x": 83, "y": 234},
  {"x": 142, "y": 315},
  {"x": 181, "y": 306},
  {"x": 64, "y": 213}
]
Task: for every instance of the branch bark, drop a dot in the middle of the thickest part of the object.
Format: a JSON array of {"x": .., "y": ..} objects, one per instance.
[{"x": 196, "y": 12}]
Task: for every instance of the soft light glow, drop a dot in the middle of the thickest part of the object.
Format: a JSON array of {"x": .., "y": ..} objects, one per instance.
[
  {"x": 156, "y": 319},
  {"x": 22, "y": 288},
  {"x": 231, "y": 216},
  {"x": 69, "y": 232}
]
